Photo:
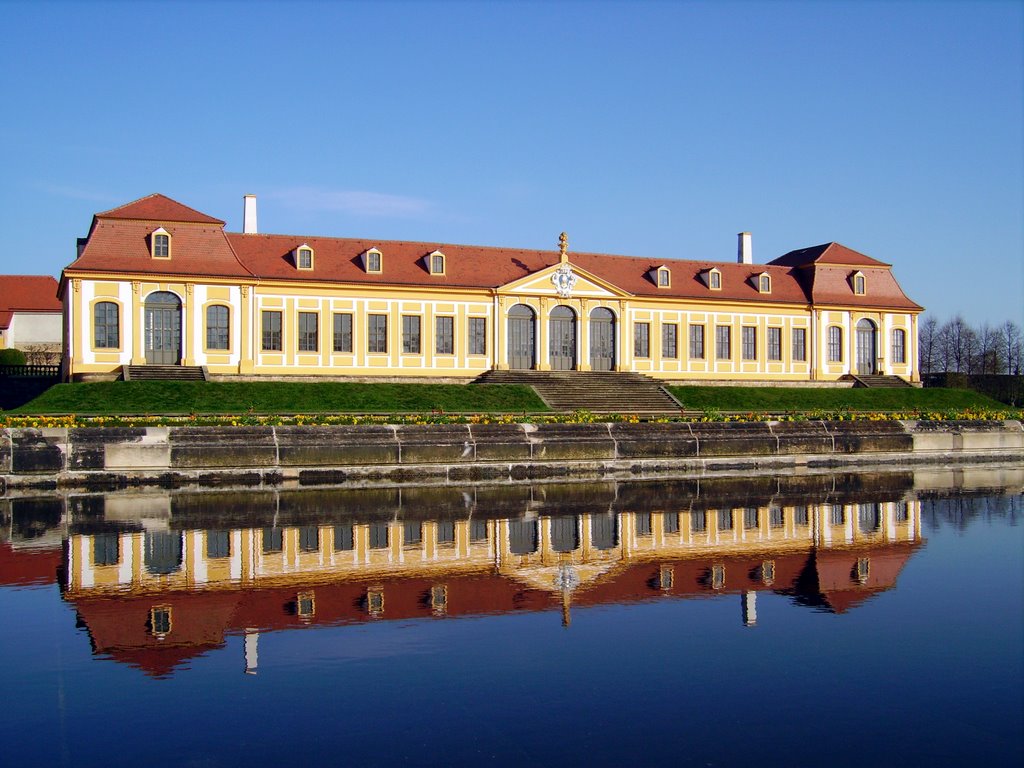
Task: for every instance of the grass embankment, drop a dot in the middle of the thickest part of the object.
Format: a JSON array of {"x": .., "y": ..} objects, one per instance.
[
  {"x": 805, "y": 399},
  {"x": 267, "y": 397}
]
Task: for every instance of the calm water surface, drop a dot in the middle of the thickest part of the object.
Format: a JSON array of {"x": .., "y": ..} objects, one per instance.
[{"x": 847, "y": 620}]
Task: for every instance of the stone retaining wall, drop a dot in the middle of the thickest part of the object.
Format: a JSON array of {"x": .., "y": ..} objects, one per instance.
[{"x": 210, "y": 456}]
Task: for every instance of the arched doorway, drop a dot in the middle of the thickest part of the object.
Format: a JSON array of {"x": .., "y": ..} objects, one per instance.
[
  {"x": 562, "y": 343},
  {"x": 522, "y": 347},
  {"x": 867, "y": 347},
  {"x": 163, "y": 329},
  {"x": 602, "y": 340}
]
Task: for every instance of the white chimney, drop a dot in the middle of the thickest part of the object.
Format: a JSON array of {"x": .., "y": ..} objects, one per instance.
[
  {"x": 249, "y": 215},
  {"x": 745, "y": 251}
]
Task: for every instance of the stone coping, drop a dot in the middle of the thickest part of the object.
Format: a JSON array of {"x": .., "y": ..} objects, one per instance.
[{"x": 320, "y": 455}]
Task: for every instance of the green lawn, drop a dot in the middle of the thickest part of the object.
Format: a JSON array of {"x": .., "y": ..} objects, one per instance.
[
  {"x": 804, "y": 399},
  {"x": 186, "y": 397}
]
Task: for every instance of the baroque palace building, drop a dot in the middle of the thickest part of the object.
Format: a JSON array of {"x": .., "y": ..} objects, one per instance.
[{"x": 158, "y": 283}]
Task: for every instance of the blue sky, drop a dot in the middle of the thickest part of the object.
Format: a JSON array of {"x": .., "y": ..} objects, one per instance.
[{"x": 649, "y": 129}]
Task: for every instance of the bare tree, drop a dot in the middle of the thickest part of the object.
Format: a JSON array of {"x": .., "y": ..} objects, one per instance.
[
  {"x": 928, "y": 346},
  {"x": 1012, "y": 343},
  {"x": 955, "y": 343},
  {"x": 988, "y": 350}
]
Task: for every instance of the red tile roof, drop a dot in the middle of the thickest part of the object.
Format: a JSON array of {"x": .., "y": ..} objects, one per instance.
[
  {"x": 828, "y": 253},
  {"x": 119, "y": 242},
  {"x": 26, "y": 293},
  {"x": 158, "y": 207},
  {"x": 123, "y": 246}
]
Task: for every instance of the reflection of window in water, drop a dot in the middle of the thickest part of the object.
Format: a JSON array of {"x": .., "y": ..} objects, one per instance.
[
  {"x": 565, "y": 535},
  {"x": 900, "y": 512},
  {"x": 699, "y": 521},
  {"x": 643, "y": 523},
  {"x": 439, "y": 598},
  {"x": 218, "y": 544},
  {"x": 273, "y": 540},
  {"x": 670, "y": 522},
  {"x": 863, "y": 569},
  {"x": 800, "y": 515},
  {"x": 446, "y": 532},
  {"x": 837, "y": 515},
  {"x": 343, "y": 539},
  {"x": 868, "y": 517},
  {"x": 775, "y": 517},
  {"x": 522, "y": 536},
  {"x": 750, "y": 518},
  {"x": 106, "y": 549},
  {"x": 160, "y": 620},
  {"x": 375, "y": 602},
  {"x": 163, "y": 552},
  {"x": 412, "y": 532},
  {"x": 725, "y": 519},
  {"x": 478, "y": 530},
  {"x": 305, "y": 606},
  {"x": 717, "y": 576},
  {"x": 666, "y": 577},
  {"x": 604, "y": 530},
  {"x": 767, "y": 571},
  {"x": 309, "y": 538},
  {"x": 378, "y": 535}
]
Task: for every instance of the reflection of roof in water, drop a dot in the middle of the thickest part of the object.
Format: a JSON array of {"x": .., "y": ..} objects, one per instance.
[{"x": 119, "y": 625}]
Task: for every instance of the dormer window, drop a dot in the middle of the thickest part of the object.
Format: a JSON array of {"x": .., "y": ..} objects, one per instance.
[
  {"x": 435, "y": 262},
  {"x": 664, "y": 277},
  {"x": 859, "y": 283},
  {"x": 764, "y": 283},
  {"x": 160, "y": 244},
  {"x": 304, "y": 257},
  {"x": 713, "y": 279},
  {"x": 373, "y": 261}
]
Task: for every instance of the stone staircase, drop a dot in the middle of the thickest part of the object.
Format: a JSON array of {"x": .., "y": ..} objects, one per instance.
[
  {"x": 163, "y": 373},
  {"x": 891, "y": 382},
  {"x": 594, "y": 391}
]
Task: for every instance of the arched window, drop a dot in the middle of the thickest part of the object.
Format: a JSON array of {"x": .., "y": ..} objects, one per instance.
[
  {"x": 217, "y": 327},
  {"x": 835, "y": 344},
  {"x": 160, "y": 244},
  {"x": 106, "y": 325}
]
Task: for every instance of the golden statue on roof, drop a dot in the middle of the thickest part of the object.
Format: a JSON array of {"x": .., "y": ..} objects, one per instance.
[{"x": 563, "y": 246}]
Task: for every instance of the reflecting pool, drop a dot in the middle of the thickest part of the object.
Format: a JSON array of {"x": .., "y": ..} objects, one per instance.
[{"x": 808, "y": 620}]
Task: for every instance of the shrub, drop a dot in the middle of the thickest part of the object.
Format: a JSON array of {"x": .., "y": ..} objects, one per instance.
[{"x": 12, "y": 357}]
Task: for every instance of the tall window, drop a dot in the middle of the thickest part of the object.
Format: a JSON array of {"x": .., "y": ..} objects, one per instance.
[
  {"x": 715, "y": 280},
  {"x": 437, "y": 264},
  {"x": 835, "y": 344},
  {"x": 478, "y": 336},
  {"x": 669, "y": 334},
  {"x": 161, "y": 246},
  {"x": 697, "y": 342},
  {"x": 106, "y": 327},
  {"x": 216, "y": 327},
  {"x": 800, "y": 344},
  {"x": 723, "y": 342},
  {"x": 899, "y": 345},
  {"x": 642, "y": 340},
  {"x": 858, "y": 284},
  {"x": 377, "y": 333},
  {"x": 411, "y": 334},
  {"x": 774, "y": 343},
  {"x": 764, "y": 284},
  {"x": 309, "y": 340},
  {"x": 305, "y": 258},
  {"x": 749, "y": 336},
  {"x": 664, "y": 279},
  {"x": 373, "y": 261},
  {"x": 342, "y": 332},
  {"x": 271, "y": 331},
  {"x": 444, "y": 337}
]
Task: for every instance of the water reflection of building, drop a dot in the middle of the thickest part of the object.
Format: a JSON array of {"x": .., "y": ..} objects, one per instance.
[{"x": 153, "y": 597}]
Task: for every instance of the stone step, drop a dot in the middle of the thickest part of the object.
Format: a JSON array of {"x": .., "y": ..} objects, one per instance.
[
  {"x": 595, "y": 391},
  {"x": 880, "y": 381},
  {"x": 163, "y": 373}
]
